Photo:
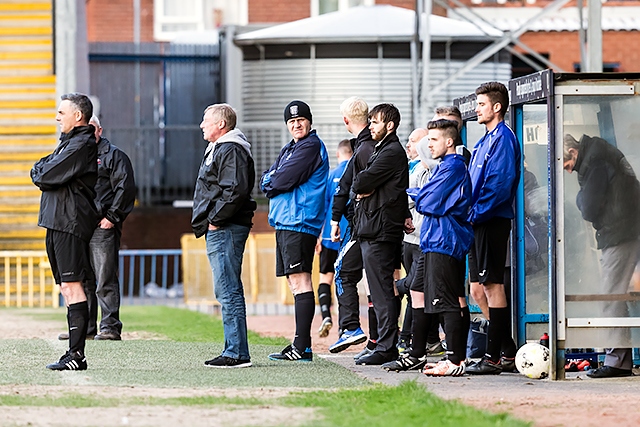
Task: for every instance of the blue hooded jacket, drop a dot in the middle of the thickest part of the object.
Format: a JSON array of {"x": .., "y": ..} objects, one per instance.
[
  {"x": 332, "y": 186},
  {"x": 444, "y": 201},
  {"x": 494, "y": 172},
  {"x": 296, "y": 185}
]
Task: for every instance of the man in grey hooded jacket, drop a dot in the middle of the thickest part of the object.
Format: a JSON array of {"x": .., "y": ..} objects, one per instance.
[{"x": 223, "y": 211}]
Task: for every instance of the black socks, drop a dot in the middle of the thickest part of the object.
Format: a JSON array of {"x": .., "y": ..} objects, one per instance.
[
  {"x": 78, "y": 320},
  {"x": 305, "y": 306},
  {"x": 498, "y": 328},
  {"x": 420, "y": 330},
  {"x": 455, "y": 330},
  {"x": 324, "y": 298}
]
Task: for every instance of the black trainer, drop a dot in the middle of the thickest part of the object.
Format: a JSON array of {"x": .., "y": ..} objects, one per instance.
[
  {"x": 484, "y": 367},
  {"x": 291, "y": 353},
  {"x": 227, "y": 362},
  {"x": 378, "y": 357},
  {"x": 405, "y": 363},
  {"x": 70, "y": 362}
]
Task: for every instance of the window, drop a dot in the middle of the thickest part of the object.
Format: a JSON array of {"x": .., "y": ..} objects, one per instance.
[
  {"x": 319, "y": 7},
  {"x": 172, "y": 17}
]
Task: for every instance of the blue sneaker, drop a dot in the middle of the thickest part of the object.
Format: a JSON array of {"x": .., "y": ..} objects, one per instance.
[{"x": 347, "y": 339}]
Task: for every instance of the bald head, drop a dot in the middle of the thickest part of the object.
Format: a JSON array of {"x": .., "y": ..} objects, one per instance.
[{"x": 414, "y": 138}]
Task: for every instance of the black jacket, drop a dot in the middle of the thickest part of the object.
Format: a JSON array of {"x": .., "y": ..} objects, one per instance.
[
  {"x": 363, "y": 146},
  {"x": 609, "y": 195},
  {"x": 224, "y": 184},
  {"x": 67, "y": 178},
  {"x": 380, "y": 217},
  {"x": 116, "y": 187}
]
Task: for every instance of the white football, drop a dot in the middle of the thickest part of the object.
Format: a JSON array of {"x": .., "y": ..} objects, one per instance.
[{"x": 533, "y": 360}]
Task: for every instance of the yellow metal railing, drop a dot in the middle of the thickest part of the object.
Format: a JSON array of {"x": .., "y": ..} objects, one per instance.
[
  {"x": 27, "y": 279},
  {"x": 258, "y": 271}
]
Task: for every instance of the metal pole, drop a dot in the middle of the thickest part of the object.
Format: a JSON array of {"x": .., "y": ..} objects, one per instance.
[
  {"x": 495, "y": 47},
  {"x": 415, "y": 87},
  {"x": 582, "y": 37},
  {"x": 475, "y": 21},
  {"x": 425, "y": 29},
  {"x": 594, "y": 37},
  {"x": 137, "y": 121}
]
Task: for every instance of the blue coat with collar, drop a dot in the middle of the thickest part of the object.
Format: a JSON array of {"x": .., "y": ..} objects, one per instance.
[
  {"x": 444, "y": 201},
  {"x": 494, "y": 171},
  {"x": 295, "y": 185}
]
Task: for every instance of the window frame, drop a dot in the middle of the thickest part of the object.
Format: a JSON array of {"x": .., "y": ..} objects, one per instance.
[{"x": 342, "y": 6}]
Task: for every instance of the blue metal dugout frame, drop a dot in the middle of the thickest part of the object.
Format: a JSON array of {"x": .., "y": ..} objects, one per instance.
[
  {"x": 534, "y": 88},
  {"x": 553, "y": 90}
]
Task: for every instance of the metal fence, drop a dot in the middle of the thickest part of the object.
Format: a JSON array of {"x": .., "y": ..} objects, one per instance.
[
  {"x": 151, "y": 276},
  {"x": 151, "y": 97}
]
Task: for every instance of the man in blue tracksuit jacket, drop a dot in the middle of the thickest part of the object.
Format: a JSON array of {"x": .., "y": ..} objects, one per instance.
[
  {"x": 295, "y": 185},
  {"x": 494, "y": 171}
]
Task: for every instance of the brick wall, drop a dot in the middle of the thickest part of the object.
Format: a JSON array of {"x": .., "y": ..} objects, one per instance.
[
  {"x": 407, "y": 4},
  {"x": 273, "y": 11},
  {"x": 564, "y": 48},
  {"x": 112, "y": 20},
  {"x": 161, "y": 227}
]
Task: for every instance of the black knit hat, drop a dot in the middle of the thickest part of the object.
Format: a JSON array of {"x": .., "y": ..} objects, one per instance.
[{"x": 297, "y": 109}]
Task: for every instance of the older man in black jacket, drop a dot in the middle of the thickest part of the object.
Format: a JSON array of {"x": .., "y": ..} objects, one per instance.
[
  {"x": 381, "y": 216},
  {"x": 66, "y": 178},
  {"x": 116, "y": 195},
  {"x": 609, "y": 198},
  {"x": 223, "y": 211}
]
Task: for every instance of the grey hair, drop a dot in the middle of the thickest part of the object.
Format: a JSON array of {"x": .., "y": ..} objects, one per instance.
[{"x": 569, "y": 142}]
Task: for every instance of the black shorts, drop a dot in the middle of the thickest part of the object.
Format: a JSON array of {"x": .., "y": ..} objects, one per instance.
[
  {"x": 328, "y": 259},
  {"x": 443, "y": 283},
  {"x": 417, "y": 284},
  {"x": 294, "y": 252},
  {"x": 69, "y": 257},
  {"x": 488, "y": 253}
]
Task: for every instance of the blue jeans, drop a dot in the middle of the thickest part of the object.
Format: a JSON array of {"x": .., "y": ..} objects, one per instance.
[{"x": 225, "y": 248}]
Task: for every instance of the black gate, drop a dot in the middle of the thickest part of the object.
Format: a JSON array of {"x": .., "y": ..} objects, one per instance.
[{"x": 151, "y": 98}]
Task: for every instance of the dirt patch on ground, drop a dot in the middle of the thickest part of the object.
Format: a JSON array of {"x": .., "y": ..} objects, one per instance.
[
  {"x": 578, "y": 401},
  {"x": 19, "y": 325},
  {"x": 141, "y": 392},
  {"x": 154, "y": 416}
]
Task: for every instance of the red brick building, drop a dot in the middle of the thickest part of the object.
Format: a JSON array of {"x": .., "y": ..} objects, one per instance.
[{"x": 555, "y": 37}]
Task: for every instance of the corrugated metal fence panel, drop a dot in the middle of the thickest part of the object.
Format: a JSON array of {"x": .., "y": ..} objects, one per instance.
[
  {"x": 268, "y": 86},
  {"x": 177, "y": 82}
]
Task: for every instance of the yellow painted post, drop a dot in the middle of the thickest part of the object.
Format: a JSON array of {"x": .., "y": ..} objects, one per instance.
[
  {"x": 42, "y": 283},
  {"x": 18, "y": 281},
  {"x": 7, "y": 282},
  {"x": 253, "y": 268},
  {"x": 30, "y": 284}
]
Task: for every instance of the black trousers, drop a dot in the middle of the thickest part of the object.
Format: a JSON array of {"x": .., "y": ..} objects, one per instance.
[
  {"x": 379, "y": 264},
  {"x": 348, "y": 274}
]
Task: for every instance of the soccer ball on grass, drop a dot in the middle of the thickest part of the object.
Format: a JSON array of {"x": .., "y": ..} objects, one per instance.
[{"x": 533, "y": 361}]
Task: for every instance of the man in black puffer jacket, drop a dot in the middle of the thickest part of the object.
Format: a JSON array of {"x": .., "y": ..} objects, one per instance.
[
  {"x": 609, "y": 198},
  {"x": 67, "y": 178},
  {"x": 223, "y": 211},
  {"x": 381, "y": 217}
]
